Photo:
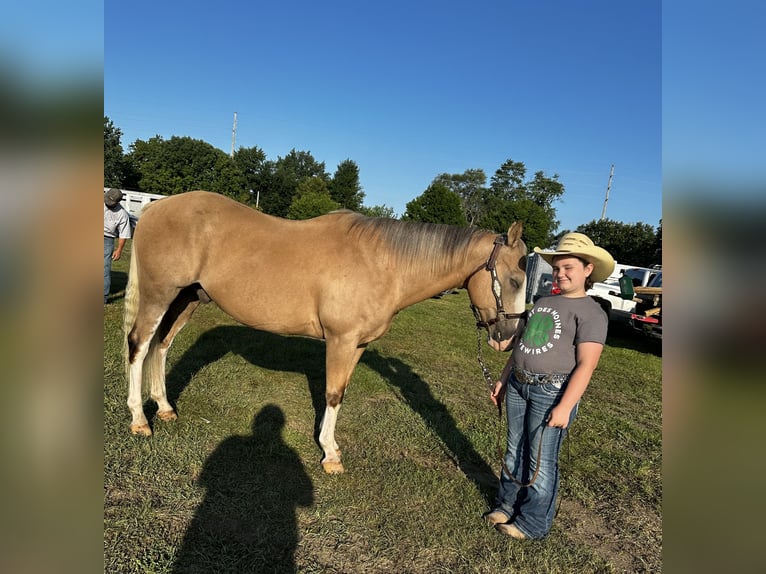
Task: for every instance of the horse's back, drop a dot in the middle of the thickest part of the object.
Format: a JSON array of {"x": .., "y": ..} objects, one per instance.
[{"x": 265, "y": 271}]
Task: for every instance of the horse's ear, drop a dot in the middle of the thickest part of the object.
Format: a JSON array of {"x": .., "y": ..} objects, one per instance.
[{"x": 514, "y": 233}]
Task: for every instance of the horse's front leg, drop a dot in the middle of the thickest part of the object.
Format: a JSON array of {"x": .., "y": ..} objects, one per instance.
[{"x": 342, "y": 357}]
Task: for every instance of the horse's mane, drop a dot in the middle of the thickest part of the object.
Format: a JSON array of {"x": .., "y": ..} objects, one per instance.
[{"x": 436, "y": 246}]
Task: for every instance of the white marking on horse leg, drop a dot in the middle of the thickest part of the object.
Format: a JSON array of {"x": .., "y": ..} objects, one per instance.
[
  {"x": 331, "y": 461},
  {"x": 139, "y": 424},
  {"x": 165, "y": 411},
  {"x": 342, "y": 356}
]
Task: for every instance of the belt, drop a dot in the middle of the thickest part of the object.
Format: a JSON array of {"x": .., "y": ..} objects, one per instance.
[{"x": 527, "y": 378}]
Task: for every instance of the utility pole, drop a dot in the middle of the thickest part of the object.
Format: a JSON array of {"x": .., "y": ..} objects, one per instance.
[
  {"x": 608, "y": 186},
  {"x": 233, "y": 134}
]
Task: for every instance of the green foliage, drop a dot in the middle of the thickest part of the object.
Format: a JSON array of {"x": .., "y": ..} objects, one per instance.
[
  {"x": 378, "y": 211},
  {"x": 282, "y": 178},
  {"x": 437, "y": 204},
  {"x": 508, "y": 181},
  {"x": 114, "y": 164},
  {"x": 658, "y": 244},
  {"x": 629, "y": 243},
  {"x": 345, "y": 187},
  {"x": 469, "y": 187},
  {"x": 183, "y": 164},
  {"x": 537, "y": 225},
  {"x": 511, "y": 198},
  {"x": 250, "y": 162},
  {"x": 312, "y": 198},
  {"x": 544, "y": 191}
]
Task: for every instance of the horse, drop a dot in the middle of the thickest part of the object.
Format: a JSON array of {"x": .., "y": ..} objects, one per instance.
[{"x": 341, "y": 277}]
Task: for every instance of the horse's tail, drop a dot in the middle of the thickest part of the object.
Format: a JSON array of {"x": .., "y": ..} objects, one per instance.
[
  {"x": 131, "y": 305},
  {"x": 152, "y": 370}
]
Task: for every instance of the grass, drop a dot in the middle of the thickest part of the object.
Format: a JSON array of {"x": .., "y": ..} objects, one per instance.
[{"x": 235, "y": 484}]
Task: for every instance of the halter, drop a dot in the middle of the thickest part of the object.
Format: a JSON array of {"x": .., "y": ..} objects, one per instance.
[
  {"x": 497, "y": 290},
  {"x": 502, "y": 314}
]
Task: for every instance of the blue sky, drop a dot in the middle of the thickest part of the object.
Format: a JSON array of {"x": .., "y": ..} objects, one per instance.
[{"x": 406, "y": 89}]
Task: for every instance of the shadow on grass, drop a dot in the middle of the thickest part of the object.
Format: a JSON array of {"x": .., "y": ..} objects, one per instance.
[
  {"x": 307, "y": 356},
  {"x": 247, "y": 520},
  {"x": 624, "y": 336},
  {"x": 118, "y": 284}
]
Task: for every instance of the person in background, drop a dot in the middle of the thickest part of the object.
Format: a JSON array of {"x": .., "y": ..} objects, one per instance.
[
  {"x": 116, "y": 227},
  {"x": 550, "y": 367}
]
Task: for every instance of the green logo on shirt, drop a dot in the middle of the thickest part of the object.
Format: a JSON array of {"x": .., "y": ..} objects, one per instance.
[{"x": 538, "y": 330}]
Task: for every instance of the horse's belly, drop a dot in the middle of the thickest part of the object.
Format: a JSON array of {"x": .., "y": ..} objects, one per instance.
[{"x": 269, "y": 313}]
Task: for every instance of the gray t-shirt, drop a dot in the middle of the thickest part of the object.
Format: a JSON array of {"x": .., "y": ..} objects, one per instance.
[
  {"x": 116, "y": 222},
  {"x": 554, "y": 327}
]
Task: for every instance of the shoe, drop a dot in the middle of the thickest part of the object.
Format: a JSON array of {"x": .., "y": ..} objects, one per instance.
[
  {"x": 510, "y": 530},
  {"x": 496, "y": 517}
]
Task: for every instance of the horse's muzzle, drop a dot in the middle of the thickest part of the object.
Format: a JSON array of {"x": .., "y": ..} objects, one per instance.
[
  {"x": 502, "y": 333},
  {"x": 499, "y": 343}
]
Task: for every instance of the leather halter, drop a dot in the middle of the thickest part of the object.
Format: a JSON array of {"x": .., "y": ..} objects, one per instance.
[{"x": 497, "y": 289}]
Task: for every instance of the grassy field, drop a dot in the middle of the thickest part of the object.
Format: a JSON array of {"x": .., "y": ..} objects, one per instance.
[{"x": 235, "y": 485}]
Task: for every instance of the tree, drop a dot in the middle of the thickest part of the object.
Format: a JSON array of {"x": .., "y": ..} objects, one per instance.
[
  {"x": 312, "y": 199},
  {"x": 510, "y": 198},
  {"x": 437, "y": 204},
  {"x": 508, "y": 181},
  {"x": 251, "y": 163},
  {"x": 537, "y": 225},
  {"x": 283, "y": 177},
  {"x": 378, "y": 211},
  {"x": 658, "y": 244},
  {"x": 544, "y": 191},
  {"x": 628, "y": 243},
  {"x": 469, "y": 186},
  {"x": 114, "y": 163},
  {"x": 345, "y": 188},
  {"x": 184, "y": 164}
]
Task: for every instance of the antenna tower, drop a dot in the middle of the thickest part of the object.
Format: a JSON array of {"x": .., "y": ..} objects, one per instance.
[
  {"x": 233, "y": 134},
  {"x": 608, "y": 187}
]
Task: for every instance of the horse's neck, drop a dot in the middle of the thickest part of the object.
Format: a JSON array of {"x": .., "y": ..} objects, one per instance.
[{"x": 418, "y": 284}]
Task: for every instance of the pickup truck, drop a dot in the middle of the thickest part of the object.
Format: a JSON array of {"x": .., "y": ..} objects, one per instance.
[
  {"x": 610, "y": 296},
  {"x": 648, "y": 315}
]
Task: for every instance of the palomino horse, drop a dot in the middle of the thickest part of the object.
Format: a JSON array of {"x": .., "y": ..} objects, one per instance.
[{"x": 341, "y": 277}]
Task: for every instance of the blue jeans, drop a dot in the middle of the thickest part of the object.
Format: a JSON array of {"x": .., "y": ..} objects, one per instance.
[
  {"x": 108, "y": 248},
  {"x": 527, "y": 408}
]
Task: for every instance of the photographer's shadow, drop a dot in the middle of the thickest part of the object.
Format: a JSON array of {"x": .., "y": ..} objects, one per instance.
[{"x": 247, "y": 520}]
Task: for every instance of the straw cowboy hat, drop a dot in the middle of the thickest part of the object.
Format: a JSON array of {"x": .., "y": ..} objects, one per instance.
[{"x": 581, "y": 246}]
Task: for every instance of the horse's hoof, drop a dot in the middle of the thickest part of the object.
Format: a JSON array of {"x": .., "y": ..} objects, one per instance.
[
  {"x": 167, "y": 415},
  {"x": 333, "y": 467},
  {"x": 143, "y": 429}
]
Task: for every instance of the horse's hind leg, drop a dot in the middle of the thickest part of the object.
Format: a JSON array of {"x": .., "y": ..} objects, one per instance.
[
  {"x": 175, "y": 319},
  {"x": 140, "y": 341}
]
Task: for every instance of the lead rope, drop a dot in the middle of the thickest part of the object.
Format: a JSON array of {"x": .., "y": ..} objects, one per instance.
[{"x": 500, "y": 451}]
